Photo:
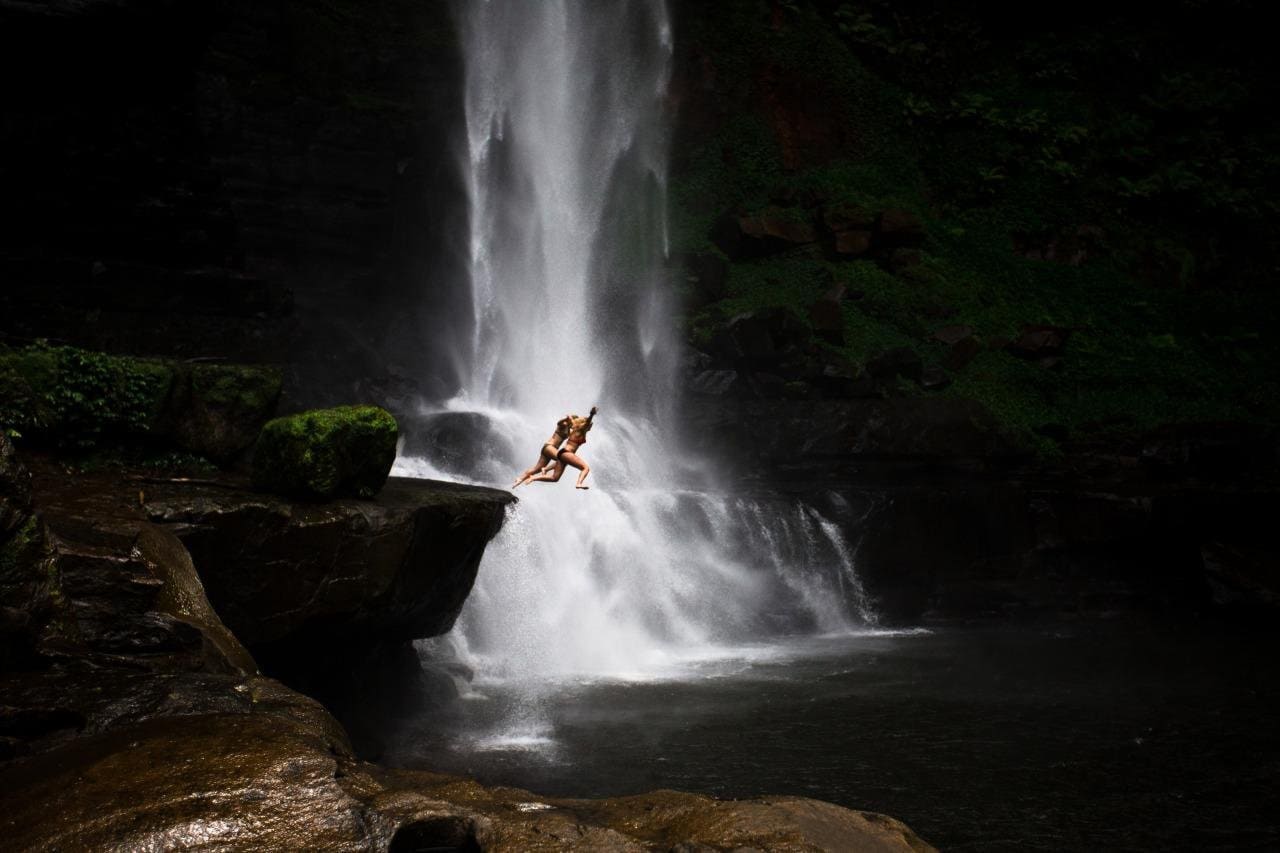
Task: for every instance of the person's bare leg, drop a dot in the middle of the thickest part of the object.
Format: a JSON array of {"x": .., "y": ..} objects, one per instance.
[
  {"x": 570, "y": 458},
  {"x": 551, "y": 477},
  {"x": 529, "y": 472}
]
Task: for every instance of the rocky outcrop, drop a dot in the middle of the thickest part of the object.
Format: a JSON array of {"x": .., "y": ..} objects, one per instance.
[
  {"x": 396, "y": 568},
  {"x": 276, "y": 774},
  {"x": 141, "y": 722}
]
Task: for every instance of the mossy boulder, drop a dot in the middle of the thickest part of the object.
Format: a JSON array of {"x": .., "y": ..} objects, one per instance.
[
  {"x": 324, "y": 453},
  {"x": 223, "y": 407}
]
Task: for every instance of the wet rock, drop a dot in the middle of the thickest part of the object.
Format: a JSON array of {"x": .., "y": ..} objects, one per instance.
[
  {"x": 397, "y": 568},
  {"x": 275, "y": 781},
  {"x": 1040, "y": 341},
  {"x": 452, "y": 441},
  {"x": 347, "y": 450}
]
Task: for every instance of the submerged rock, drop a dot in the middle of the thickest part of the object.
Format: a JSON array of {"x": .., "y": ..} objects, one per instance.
[{"x": 347, "y": 450}]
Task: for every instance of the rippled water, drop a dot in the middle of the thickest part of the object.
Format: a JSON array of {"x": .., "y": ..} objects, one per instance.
[{"x": 1070, "y": 737}]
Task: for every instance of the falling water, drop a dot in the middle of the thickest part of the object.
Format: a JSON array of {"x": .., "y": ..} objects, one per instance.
[{"x": 566, "y": 169}]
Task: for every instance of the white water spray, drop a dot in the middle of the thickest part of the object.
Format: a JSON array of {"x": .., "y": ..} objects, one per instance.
[{"x": 651, "y": 568}]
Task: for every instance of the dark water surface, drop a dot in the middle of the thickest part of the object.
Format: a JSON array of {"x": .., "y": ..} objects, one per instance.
[{"x": 1089, "y": 736}]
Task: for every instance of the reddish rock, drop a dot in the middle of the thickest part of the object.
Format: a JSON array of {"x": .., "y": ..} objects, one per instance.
[{"x": 950, "y": 335}]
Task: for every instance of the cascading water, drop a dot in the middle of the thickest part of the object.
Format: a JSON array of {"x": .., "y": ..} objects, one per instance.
[{"x": 566, "y": 167}]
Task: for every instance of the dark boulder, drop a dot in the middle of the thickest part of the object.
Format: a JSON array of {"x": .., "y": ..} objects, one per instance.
[
  {"x": 346, "y": 450},
  {"x": 452, "y": 441},
  {"x": 221, "y": 407}
]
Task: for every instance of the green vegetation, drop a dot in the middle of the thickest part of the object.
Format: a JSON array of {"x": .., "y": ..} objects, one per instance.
[
  {"x": 1114, "y": 182},
  {"x": 324, "y": 453},
  {"x": 105, "y": 406},
  {"x": 76, "y": 397}
]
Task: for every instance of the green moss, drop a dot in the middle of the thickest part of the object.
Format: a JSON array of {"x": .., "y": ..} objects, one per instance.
[{"x": 326, "y": 452}]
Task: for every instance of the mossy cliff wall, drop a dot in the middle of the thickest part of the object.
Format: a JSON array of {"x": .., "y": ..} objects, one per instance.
[{"x": 1063, "y": 214}]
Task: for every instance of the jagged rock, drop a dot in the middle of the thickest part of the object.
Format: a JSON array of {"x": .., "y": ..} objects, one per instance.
[{"x": 347, "y": 450}]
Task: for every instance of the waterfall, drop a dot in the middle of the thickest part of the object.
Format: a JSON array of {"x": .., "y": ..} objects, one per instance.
[{"x": 566, "y": 168}]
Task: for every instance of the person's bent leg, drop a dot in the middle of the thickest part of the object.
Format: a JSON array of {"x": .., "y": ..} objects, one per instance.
[
  {"x": 549, "y": 477},
  {"x": 578, "y": 462}
]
